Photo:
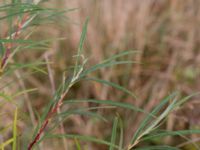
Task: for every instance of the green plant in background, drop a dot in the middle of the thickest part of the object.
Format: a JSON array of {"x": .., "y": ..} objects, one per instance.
[{"x": 30, "y": 14}]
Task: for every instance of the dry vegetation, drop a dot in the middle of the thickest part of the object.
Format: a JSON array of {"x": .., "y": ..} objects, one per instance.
[{"x": 166, "y": 35}]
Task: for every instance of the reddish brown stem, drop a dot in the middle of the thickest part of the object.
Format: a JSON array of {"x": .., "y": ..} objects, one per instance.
[
  {"x": 38, "y": 134},
  {"x": 50, "y": 114},
  {"x": 5, "y": 57},
  {"x": 15, "y": 36}
]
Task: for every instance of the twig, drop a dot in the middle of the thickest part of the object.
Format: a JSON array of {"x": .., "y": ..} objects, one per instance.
[
  {"x": 57, "y": 106},
  {"x": 15, "y": 35},
  {"x": 51, "y": 78},
  {"x": 53, "y": 111}
]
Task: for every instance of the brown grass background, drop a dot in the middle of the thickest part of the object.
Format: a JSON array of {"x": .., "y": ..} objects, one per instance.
[{"x": 165, "y": 32}]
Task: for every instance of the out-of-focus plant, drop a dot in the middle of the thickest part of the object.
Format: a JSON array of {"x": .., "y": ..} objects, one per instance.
[{"x": 20, "y": 16}]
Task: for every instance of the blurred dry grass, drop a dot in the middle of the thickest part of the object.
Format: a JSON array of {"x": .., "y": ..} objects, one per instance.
[{"x": 165, "y": 32}]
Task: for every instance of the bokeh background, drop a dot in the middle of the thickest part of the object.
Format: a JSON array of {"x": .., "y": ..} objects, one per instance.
[{"x": 166, "y": 34}]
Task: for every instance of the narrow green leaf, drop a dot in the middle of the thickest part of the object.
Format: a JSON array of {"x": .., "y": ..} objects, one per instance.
[
  {"x": 110, "y": 102},
  {"x": 163, "y": 133},
  {"x": 83, "y": 35},
  {"x": 6, "y": 97},
  {"x": 104, "y": 65},
  {"x": 1, "y": 50},
  {"x": 80, "y": 112},
  {"x": 5, "y": 128},
  {"x": 78, "y": 146},
  {"x": 119, "y": 55},
  {"x": 145, "y": 122},
  {"x": 16, "y": 41},
  {"x": 185, "y": 99},
  {"x": 121, "y": 137},
  {"x": 162, "y": 147},
  {"x": 14, "y": 146},
  {"x": 121, "y": 88},
  {"x": 24, "y": 92},
  {"x": 80, "y": 137},
  {"x": 4, "y": 144},
  {"x": 34, "y": 66},
  {"x": 80, "y": 47},
  {"x": 114, "y": 134}
]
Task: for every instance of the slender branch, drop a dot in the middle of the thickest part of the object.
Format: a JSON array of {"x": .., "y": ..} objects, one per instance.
[
  {"x": 55, "y": 108},
  {"x": 15, "y": 35},
  {"x": 53, "y": 111},
  {"x": 51, "y": 78}
]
